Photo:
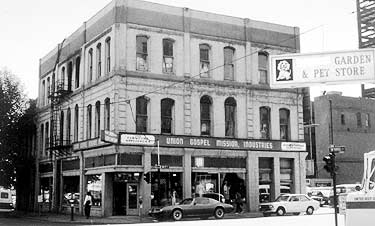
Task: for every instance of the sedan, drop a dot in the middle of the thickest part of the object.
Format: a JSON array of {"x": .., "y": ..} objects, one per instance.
[
  {"x": 290, "y": 203},
  {"x": 193, "y": 207}
]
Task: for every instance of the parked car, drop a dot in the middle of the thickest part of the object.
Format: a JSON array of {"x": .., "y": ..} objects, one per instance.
[
  {"x": 290, "y": 203},
  {"x": 6, "y": 202},
  {"x": 216, "y": 196},
  {"x": 193, "y": 207},
  {"x": 319, "y": 196}
]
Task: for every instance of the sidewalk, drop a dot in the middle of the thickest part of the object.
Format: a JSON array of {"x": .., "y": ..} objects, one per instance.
[{"x": 78, "y": 219}]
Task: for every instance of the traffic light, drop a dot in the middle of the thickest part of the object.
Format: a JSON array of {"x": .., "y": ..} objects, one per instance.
[
  {"x": 147, "y": 177},
  {"x": 329, "y": 166}
]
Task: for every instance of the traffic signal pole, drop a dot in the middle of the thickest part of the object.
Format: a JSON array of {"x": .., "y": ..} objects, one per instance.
[{"x": 333, "y": 172}]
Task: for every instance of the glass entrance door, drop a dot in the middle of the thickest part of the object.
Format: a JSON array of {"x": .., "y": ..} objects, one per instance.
[{"x": 132, "y": 194}]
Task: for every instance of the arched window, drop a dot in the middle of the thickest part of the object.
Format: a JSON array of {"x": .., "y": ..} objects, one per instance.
[
  {"x": 48, "y": 89},
  {"x": 90, "y": 59},
  {"x": 142, "y": 53},
  {"x": 265, "y": 122},
  {"x": 41, "y": 140},
  {"x": 228, "y": 63},
  {"x": 230, "y": 116},
  {"x": 168, "y": 55},
  {"x": 78, "y": 62},
  {"x": 263, "y": 67},
  {"x": 47, "y": 141},
  {"x": 206, "y": 104},
  {"x": 61, "y": 138},
  {"x": 98, "y": 60},
  {"x": 204, "y": 59},
  {"x": 68, "y": 126},
  {"x": 89, "y": 121},
  {"x": 70, "y": 74},
  {"x": 97, "y": 119},
  {"x": 107, "y": 114},
  {"x": 108, "y": 54},
  {"x": 284, "y": 115},
  {"x": 141, "y": 117},
  {"x": 76, "y": 122},
  {"x": 62, "y": 78},
  {"x": 167, "y": 108}
]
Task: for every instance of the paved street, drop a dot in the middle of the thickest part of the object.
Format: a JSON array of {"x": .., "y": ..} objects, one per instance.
[{"x": 323, "y": 217}]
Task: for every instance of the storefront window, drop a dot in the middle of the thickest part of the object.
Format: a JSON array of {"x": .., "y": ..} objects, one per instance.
[
  {"x": 265, "y": 179},
  {"x": 169, "y": 182},
  {"x": 226, "y": 184},
  {"x": 94, "y": 185},
  {"x": 286, "y": 175},
  {"x": 70, "y": 189},
  {"x": 46, "y": 188}
]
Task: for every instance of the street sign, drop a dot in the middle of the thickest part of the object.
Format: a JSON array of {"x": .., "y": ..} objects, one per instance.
[{"x": 337, "y": 149}]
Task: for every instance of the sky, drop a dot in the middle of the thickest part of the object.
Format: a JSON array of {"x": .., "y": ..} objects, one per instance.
[{"x": 30, "y": 29}]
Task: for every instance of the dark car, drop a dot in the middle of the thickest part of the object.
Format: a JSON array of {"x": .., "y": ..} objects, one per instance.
[
  {"x": 193, "y": 207},
  {"x": 216, "y": 196}
]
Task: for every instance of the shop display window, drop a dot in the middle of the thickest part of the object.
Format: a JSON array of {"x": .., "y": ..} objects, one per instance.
[
  {"x": 94, "y": 185},
  {"x": 71, "y": 189}
]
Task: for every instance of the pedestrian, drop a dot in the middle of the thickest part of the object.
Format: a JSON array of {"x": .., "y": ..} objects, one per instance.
[
  {"x": 174, "y": 198},
  {"x": 88, "y": 203},
  {"x": 226, "y": 188},
  {"x": 238, "y": 201}
]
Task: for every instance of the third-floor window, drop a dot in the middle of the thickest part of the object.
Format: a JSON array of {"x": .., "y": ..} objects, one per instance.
[
  {"x": 108, "y": 55},
  {"x": 263, "y": 67},
  {"x": 204, "y": 60},
  {"x": 168, "y": 55},
  {"x": 228, "y": 63},
  {"x": 142, "y": 54},
  {"x": 98, "y": 60}
]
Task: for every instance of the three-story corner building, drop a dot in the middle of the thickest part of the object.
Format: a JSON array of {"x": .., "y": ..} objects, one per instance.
[{"x": 182, "y": 100}]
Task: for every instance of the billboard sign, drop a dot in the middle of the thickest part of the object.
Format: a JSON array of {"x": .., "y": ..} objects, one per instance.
[{"x": 331, "y": 68}]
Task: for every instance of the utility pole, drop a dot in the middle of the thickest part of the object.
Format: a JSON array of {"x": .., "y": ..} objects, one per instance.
[{"x": 333, "y": 170}]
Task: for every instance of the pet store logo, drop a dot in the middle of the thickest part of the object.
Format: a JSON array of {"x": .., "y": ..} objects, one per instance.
[{"x": 284, "y": 70}]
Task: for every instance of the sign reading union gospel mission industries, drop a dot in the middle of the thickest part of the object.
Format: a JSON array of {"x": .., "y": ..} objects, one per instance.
[
  {"x": 303, "y": 70},
  {"x": 209, "y": 142}
]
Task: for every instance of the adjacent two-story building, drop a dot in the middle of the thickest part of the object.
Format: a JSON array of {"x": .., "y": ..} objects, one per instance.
[{"x": 146, "y": 99}]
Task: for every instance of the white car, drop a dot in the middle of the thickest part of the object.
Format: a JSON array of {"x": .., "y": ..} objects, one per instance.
[{"x": 290, "y": 203}]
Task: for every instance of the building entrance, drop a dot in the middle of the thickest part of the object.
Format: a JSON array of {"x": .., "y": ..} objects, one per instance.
[{"x": 125, "y": 194}]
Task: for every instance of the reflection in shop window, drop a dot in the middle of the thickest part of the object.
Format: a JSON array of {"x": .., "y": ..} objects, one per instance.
[
  {"x": 46, "y": 189},
  {"x": 94, "y": 185},
  {"x": 265, "y": 179},
  {"x": 70, "y": 189},
  {"x": 169, "y": 182},
  {"x": 286, "y": 175}
]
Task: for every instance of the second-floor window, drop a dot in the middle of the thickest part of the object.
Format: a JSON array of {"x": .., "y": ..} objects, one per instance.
[
  {"x": 76, "y": 123},
  {"x": 168, "y": 56},
  {"x": 263, "y": 67},
  {"x": 359, "y": 119},
  {"x": 204, "y": 60},
  {"x": 230, "y": 116},
  {"x": 284, "y": 115},
  {"x": 41, "y": 139},
  {"x": 265, "y": 122},
  {"x": 90, "y": 59},
  {"x": 108, "y": 55},
  {"x": 141, "y": 117},
  {"x": 142, "y": 54},
  {"x": 367, "y": 120},
  {"x": 61, "y": 138},
  {"x": 70, "y": 74},
  {"x": 89, "y": 121},
  {"x": 107, "y": 113},
  {"x": 228, "y": 63},
  {"x": 167, "y": 108},
  {"x": 97, "y": 119},
  {"x": 68, "y": 125},
  {"x": 78, "y": 64},
  {"x": 98, "y": 60},
  {"x": 206, "y": 115},
  {"x": 342, "y": 119}
]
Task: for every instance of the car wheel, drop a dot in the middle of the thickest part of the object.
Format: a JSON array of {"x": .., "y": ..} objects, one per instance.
[
  {"x": 219, "y": 213},
  {"x": 310, "y": 210},
  {"x": 280, "y": 211},
  {"x": 177, "y": 215}
]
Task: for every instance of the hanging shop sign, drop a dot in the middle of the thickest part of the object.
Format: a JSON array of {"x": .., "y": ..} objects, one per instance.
[
  {"x": 209, "y": 142},
  {"x": 331, "y": 68}
]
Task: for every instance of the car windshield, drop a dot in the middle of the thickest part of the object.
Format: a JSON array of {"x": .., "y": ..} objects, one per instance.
[
  {"x": 186, "y": 201},
  {"x": 282, "y": 198}
]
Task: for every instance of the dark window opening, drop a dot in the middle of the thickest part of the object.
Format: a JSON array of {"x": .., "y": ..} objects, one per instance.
[
  {"x": 141, "y": 117},
  {"x": 230, "y": 117},
  {"x": 265, "y": 122},
  {"x": 206, "y": 115},
  {"x": 284, "y": 124},
  {"x": 167, "y": 115}
]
